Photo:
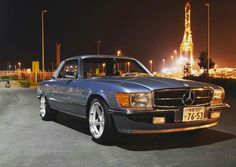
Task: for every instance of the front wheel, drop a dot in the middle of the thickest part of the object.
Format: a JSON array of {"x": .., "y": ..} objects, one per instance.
[{"x": 100, "y": 122}]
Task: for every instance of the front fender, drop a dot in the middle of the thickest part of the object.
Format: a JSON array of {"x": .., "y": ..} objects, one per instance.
[{"x": 107, "y": 91}]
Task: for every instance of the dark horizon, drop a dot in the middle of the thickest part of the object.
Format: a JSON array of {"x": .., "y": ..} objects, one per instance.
[{"x": 141, "y": 30}]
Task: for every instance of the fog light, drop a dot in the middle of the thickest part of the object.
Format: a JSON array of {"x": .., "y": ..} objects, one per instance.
[
  {"x": 215, "y": 115},
  {"x": 158, "y": 120}
]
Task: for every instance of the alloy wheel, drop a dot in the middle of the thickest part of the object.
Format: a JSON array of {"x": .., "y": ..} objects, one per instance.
[{"x": 96, "y": 120}]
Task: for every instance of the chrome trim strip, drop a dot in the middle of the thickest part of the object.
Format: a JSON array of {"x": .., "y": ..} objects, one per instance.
[
  {"x": 174, "y": 89},
  {"x": 219, "y": 107},
  {"x": 208, "y": 97},
  {"x": 53, "y": 99},
  {"x": 142, "y": 111},
  {"x": 198, "y": 97},
  {"x": 168, "y": 98},
  {"x": 172, "y": 130},
  {"x": 197, "y": 105}
]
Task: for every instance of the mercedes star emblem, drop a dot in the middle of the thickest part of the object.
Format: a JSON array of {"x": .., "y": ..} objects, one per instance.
[{"x": 188, "y": 98}]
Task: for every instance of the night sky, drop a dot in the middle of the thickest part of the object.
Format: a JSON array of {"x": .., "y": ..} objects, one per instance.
[{"x": 142, "y": 29}]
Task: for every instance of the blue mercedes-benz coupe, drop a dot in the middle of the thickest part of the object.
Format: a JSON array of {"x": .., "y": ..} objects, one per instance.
[{"x": 120, "y": 94}]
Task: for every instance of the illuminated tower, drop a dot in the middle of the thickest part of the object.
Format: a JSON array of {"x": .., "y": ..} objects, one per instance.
[{"x": 186, "y": 47}]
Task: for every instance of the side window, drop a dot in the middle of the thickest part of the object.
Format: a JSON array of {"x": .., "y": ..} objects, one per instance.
[
  {"x": 69, "y": 70},
  {"x": 93, "y": 67}
]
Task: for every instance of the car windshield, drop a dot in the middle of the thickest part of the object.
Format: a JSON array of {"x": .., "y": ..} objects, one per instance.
[{"x": 102, "y": 67}]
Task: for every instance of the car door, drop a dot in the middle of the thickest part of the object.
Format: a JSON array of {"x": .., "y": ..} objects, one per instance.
[{"x": 66, "y": 84}]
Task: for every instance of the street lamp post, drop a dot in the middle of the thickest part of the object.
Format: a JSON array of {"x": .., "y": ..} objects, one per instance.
[
  {"x": 42, "y": 19},
  {"x": 208, "y": 36},
  {"x": 150, "y": 62},
  {"x": 98, "y": 47}
]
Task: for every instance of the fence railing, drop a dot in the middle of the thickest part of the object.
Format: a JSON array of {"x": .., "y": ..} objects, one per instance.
[{"x": 26, "y": 75}]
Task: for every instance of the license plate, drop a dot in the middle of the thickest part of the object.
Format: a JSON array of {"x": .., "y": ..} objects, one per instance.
[{"x": 193, "y": 114}]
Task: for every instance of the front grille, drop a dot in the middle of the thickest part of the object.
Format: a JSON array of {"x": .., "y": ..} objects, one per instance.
[{"x": 174, "y": 97}]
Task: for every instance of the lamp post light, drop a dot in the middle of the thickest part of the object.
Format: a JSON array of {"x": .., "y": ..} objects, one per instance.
[
  {"x": 128, "y": 66},
  {"x": 103, "y": 67},
  {"x": 175, "y": 52},
  {"x": 42, "y": 19},
  {"x": 150, "y": 62},
  {"x": 164, "y": 62},
  {"x": 98, "y": 47},
  {"x": 19, "y": 64},
  {"x": 118, "y": 53},
  {"x": 208, "y": 36}
]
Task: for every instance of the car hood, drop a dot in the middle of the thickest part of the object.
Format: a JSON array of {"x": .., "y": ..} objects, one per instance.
[{"x": 153, "y": 83}]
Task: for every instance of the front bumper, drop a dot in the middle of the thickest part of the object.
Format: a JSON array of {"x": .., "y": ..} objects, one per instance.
[{"x": 141, "y": 122}]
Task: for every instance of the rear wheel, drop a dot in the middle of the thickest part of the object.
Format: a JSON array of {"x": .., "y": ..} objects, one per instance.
[
  {"x": 45, "y": 112},
  {"x": 100, "y": 122}
]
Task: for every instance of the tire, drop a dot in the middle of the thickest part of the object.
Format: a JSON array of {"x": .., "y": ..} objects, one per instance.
[
  {"x": 100, "y": 123},
  {"x": 46, "y": 113}
]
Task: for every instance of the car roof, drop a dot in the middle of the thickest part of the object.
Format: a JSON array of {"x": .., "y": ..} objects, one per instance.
[{"x": 97, "y": 56}]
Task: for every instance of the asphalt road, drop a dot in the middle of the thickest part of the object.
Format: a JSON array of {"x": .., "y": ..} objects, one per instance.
[{"x": 27, "y": 141}]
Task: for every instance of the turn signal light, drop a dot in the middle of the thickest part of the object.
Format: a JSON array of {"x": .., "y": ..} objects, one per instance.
[
  {"x": 215, "y": 115},
  {"x": 123, "y": 99},
  {"x": 158, "y": 120}
]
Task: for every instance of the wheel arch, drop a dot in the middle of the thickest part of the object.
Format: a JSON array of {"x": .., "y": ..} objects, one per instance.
[{"x": 91, "y": 98}]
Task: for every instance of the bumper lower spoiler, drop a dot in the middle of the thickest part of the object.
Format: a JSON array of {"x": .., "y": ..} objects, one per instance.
[{"x": 171, "y": 130}]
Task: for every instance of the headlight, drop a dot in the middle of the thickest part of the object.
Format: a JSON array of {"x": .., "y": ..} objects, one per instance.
[
  {"x": 135, "y": 100},
  {"x": 218, "y": 97}
]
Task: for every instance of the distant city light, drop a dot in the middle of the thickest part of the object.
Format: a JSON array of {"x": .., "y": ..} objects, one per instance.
[
  {"x": 118, "y": 53},
  {"x": 150, "y": 62},
  {"x": 164, "y": 63},
  {"x": 128, "y": 66},
  {"x": 19, "y": 64},
  {"x": 103, "y": 67},
  {"x": 181, "y": 60}
]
